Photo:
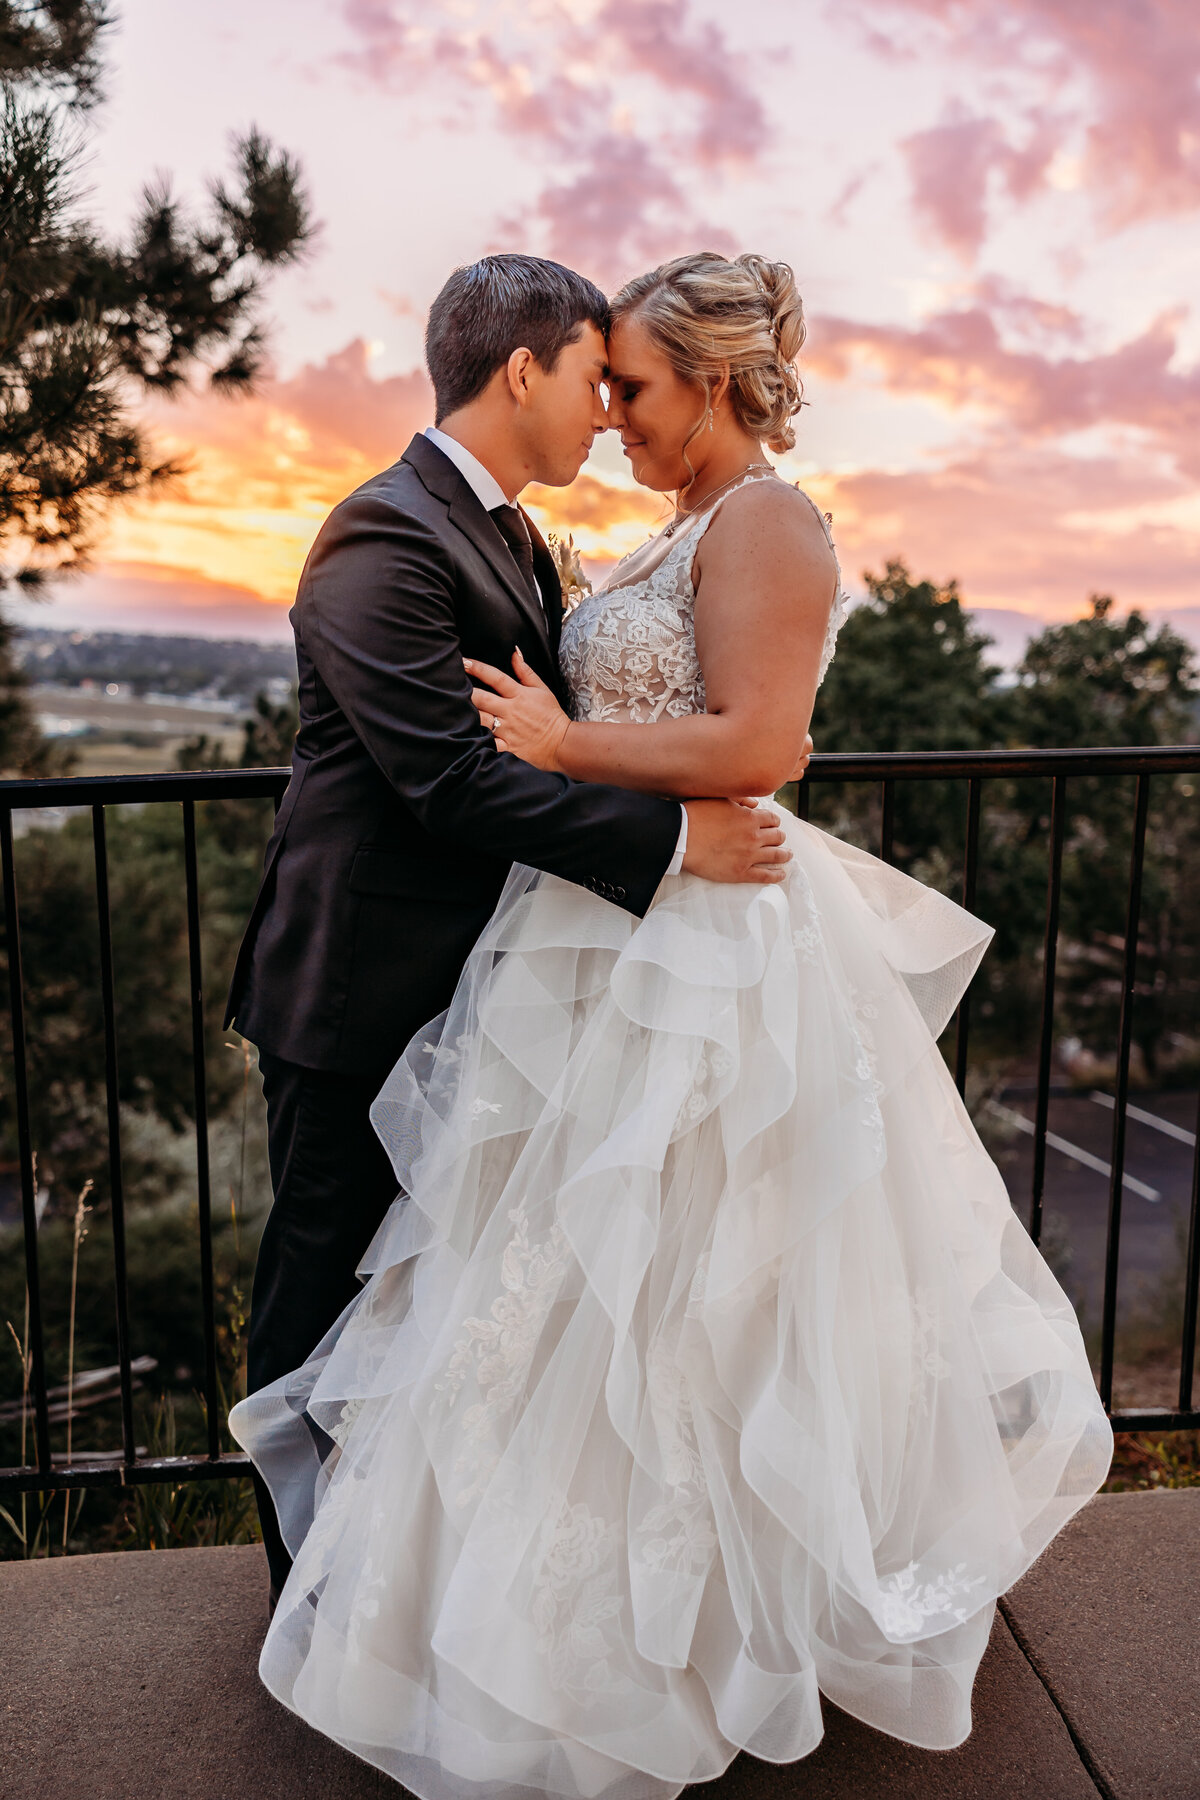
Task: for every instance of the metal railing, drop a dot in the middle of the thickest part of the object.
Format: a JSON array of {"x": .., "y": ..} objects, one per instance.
[
  {"x": 884, "y": 770},
  {"x": 96, "y": 793}
]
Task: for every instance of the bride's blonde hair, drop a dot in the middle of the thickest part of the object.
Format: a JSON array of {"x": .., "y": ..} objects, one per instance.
[{"x": 706, "y": 312}]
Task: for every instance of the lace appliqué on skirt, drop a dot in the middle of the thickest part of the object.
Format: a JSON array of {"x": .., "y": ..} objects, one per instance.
[
  {"x": 497, "y": 1350},
  {"x": 575, "y": 1600}
]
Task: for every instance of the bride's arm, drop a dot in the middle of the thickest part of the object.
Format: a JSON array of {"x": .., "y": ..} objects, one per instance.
[{"x": 765, "y": 585}]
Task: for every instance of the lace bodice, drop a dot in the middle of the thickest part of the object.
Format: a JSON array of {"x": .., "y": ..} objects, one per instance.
[{"x": 628, "y": 651}]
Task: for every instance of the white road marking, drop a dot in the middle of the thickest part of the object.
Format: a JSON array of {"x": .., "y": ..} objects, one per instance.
[
  {"x": 1084, "y": 1157},
  {"x": 1178, "y": 1132}
]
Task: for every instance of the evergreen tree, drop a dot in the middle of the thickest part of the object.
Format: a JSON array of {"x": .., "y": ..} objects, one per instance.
[
  {"x": 54, "y": 45},
  {"x": 1104, "y": 680},
  {"x": 87, "y": 325},
  {"x": 1107, "y": 680},
  {"x": 910, "y": 674}
]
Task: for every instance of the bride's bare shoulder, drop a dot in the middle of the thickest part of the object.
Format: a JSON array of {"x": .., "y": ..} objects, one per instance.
[{"x": 768, "y": 522}]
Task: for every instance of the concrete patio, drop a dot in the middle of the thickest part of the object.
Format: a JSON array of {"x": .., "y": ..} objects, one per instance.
[{"x": 133, "y": 1677}]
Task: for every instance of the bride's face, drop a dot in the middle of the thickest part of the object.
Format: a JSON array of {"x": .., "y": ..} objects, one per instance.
[{"x": 654, "y": 411}]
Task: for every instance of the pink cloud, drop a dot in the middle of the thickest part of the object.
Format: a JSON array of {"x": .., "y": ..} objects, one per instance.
[
  {"x": 341, "y": 403},
  {"x": 1025, "y": 313},
  {"x": 614, "y": 200},
  {"x": 656, "y": 37},
  {"x": 1021, "y": 519},
  {"x": 954, "y": 166},
  {"x": 960, "y": 360},
  {"x": 620, "y": 208},
  {"x": 1140, "y": 61},
  {"x": 839, "y": 207},
  {"x": 154, "y": 597},
  {"x": 1020, "y": 529}
]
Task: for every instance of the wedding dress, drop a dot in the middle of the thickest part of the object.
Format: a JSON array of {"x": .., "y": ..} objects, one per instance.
[{"x": 703, "y": 1366}]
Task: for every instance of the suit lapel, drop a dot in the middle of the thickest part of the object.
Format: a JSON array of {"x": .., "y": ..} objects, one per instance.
[{"x": 442, "y": 478}]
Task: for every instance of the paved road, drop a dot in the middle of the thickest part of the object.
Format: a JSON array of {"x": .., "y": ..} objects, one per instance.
[{"x": 1076, "y": 1198}]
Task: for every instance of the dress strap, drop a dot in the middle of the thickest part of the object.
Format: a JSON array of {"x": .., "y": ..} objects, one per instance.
[{"x": 708, "y": 512}]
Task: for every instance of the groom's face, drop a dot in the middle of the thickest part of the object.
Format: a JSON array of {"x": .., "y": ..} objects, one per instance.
[{"x": 563, "y": 409}]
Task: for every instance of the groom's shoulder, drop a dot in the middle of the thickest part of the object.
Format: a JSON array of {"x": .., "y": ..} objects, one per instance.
[
  {"x": 394, "y": 502},
  {"x": 399, "y": 487}
]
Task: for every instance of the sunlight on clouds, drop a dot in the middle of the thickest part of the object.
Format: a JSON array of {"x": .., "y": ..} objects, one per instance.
[
  {"x": 264, "y": 471},
  {"x": 1180, "y": 514},
  {"x": 605, "y": 519}
]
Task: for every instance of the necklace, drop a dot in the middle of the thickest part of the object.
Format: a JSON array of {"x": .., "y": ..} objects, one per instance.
[{"x": 691, "y": 512}]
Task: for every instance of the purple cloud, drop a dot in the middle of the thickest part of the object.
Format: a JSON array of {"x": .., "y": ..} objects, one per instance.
[
  {"x": 1140, "y": 60},
  {"x": 953, "y": 167},
  {"x": 662, "y": 93},
  {"x": 960, "y": 360}
]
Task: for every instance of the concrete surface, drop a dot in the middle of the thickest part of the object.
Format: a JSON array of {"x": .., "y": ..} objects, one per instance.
[
  {"x": 1109, "y": 1617},
  {"x": 134, "y": 1677}
]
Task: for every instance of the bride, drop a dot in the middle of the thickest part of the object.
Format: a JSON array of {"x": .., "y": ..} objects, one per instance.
[{"x": 702, "y": 1366}]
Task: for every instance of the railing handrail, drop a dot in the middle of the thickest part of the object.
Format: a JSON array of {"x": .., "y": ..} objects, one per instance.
[
  {"x": 115, "y": 790},
  {"x": 829, "y": 765},
  {"x": 933, "y": 765}
]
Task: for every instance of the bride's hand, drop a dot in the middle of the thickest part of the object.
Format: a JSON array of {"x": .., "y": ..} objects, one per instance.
[{"x": 522, "y": 713}]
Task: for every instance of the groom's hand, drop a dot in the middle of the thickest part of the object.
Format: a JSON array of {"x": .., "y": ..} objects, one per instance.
[{"x": 731, "y": 840}]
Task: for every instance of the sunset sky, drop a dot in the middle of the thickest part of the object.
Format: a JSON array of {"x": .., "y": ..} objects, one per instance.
[{"x": 993, "y": 212}]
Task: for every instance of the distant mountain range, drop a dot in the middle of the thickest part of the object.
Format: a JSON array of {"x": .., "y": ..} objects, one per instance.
[{"x": 1011, "y": 630}]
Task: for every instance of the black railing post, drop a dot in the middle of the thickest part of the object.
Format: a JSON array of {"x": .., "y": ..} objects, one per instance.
[
  {"x": 116, "y": 1184},
  {"x": 200, "y": 1088},
  {"x": 1058, "y": 804},
  {"x": 970, "y": 878},
  {"x": 1191, "y": 1281},
  {"x": 35, "y": 1350},
  {"x": 887, "y": 819},
  {"x": 1137, "y": 857}
]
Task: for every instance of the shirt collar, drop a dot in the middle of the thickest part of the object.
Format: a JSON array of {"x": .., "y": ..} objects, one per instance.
[{"x": 481, "y": 481}]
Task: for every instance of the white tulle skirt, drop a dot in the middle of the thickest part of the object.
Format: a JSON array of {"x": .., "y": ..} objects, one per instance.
[{"x": 703, "y": 1367}]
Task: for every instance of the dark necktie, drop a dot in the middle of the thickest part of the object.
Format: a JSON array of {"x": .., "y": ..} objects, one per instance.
[{"x": 510, "y": 522}]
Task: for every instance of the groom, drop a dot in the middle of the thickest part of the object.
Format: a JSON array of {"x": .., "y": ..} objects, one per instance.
[{"x": 401, "y": 817}]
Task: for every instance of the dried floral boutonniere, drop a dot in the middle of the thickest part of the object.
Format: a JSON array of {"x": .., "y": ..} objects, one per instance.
[{"x": 575, "y": 583}]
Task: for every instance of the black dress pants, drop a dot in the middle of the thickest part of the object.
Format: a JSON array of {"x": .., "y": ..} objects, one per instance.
[{"x": 332, "y": 1183}]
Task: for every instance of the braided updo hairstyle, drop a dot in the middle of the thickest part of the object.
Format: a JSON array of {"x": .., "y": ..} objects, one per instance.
[{"x": 706, "y": 312}]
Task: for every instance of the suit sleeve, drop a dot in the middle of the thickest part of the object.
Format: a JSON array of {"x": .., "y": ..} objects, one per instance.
[{"x": 378, "y": 603}]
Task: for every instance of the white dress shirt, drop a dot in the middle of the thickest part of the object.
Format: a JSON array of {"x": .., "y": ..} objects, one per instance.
[{"x": 490, "y": 494}]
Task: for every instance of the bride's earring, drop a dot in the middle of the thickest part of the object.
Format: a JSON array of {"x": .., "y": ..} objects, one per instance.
[{"x": 709, "y": 417}]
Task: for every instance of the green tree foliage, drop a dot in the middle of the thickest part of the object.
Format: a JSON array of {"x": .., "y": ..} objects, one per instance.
[
  {"x": 60, "y": 947},
  {"x": 87, "y": 326},
  {"x": 23, "y": 748},
  {"x": 1105, "y": 680},
  {"x": 268, "y": 736},
  {"x": 55, "y": 46},
  {"x": 1108, "y": 680},
  {"x": 911, "y": 673}
]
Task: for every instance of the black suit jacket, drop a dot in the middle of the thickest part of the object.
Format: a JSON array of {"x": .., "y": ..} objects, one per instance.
[{"x": 401, "y": 818}]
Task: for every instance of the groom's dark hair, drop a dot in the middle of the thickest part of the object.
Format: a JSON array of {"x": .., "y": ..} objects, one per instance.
[{"x": 495, "y": 306}]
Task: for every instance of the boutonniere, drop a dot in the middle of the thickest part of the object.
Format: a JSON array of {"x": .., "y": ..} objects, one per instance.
[{"x": 575, "y": 583}]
